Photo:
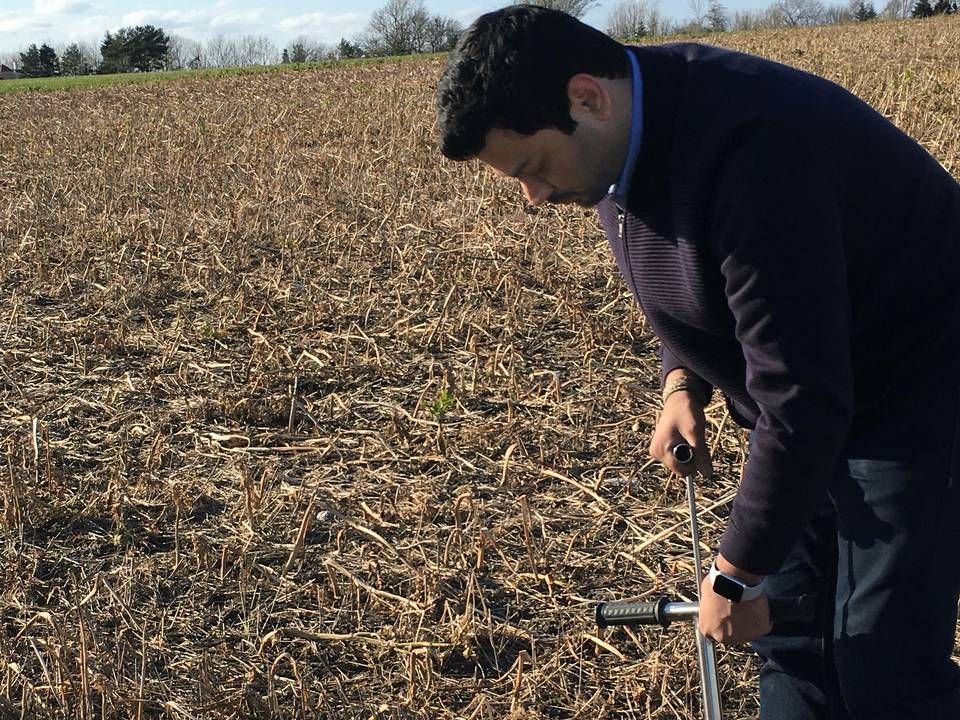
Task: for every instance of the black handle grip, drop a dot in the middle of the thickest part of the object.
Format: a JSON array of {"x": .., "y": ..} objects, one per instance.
[
  {"x": 663, "y": 611},
  {"x": 640, "y": 613}
]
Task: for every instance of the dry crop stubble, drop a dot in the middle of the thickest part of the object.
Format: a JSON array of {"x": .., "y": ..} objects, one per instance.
[{"x": 299, "y": 420}]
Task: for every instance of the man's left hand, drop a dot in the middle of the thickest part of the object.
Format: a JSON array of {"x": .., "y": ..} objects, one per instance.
[{"x": 729, "y": 622}]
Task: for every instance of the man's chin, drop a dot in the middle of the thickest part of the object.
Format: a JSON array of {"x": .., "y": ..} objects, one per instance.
[
  {"x": 586, "y": 200},
  {"x": 589, "y": 200}
]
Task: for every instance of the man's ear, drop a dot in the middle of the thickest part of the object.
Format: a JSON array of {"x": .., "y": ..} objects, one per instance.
[{"x": 588, "y": 96}]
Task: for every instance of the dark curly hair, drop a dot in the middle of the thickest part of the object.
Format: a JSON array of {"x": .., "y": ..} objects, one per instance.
[{"x": 510, "y": 69}]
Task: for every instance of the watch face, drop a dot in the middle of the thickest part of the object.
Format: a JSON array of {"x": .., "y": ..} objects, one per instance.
[{"x": 725, "y": 587}]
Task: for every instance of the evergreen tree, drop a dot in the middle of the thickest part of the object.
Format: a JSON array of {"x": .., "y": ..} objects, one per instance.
[
  {"x": 148, "y": 46},
  {"x": 113, "y": 50},
  {"x": 347, "y": 50},
  {"x": 865, "y": 11},
  {"x": 922, "y": 9},
  {"x": 142, "y": 48},
  {"x": 49, "y": 62},
  {"x": 30, "y": 62},
  {"x": 944, "y": 7},
  {"x": 299, "y": 52},
  {"x": 39, "y": 62},
  {"x": 72, "y": 62},
  {"x": 286, "y": 57}
]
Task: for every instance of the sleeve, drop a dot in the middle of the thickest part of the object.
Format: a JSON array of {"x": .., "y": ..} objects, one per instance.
[
  {"x": 777, "y": 234},
  {"x": 668, "y": 363}
]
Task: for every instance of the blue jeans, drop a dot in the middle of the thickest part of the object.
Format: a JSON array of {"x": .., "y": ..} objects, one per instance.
[{"x": 882, "y": 558}]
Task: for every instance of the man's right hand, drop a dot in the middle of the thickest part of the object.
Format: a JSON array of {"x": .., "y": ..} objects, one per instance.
[{"x": 682, "y": 421}]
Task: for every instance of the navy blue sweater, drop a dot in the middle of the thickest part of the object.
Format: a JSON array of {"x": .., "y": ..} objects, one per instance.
[{"x": 798, "y": 252}]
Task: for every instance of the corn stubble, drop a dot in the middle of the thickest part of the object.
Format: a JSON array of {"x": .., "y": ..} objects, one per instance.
[{"x": 298, "y": 420}]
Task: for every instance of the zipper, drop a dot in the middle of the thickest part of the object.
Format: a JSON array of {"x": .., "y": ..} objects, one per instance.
[{"x": 628, "y": 276}]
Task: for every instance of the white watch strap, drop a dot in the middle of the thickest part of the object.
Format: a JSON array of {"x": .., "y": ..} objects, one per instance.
[{"x": 750, "y": 592}]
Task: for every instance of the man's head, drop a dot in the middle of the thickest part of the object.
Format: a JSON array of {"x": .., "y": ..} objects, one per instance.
[{"x": 540, "y": 96}]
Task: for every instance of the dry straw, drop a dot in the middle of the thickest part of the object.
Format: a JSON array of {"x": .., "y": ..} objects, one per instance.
[{"x": 299, "y": 421}]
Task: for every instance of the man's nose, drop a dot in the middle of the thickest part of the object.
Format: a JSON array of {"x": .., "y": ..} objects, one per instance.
[{"x": 536, "y": 191}]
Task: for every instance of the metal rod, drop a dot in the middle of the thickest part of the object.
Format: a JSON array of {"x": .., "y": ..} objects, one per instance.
[
  {"x": 681, "y": 610},
  {"x": 706, "y": 655}
]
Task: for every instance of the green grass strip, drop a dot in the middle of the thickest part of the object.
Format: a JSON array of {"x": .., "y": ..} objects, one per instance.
[{"x": 82, "y": 82}]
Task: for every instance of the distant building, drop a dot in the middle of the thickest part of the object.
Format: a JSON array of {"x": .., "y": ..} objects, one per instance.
[{"x": 7, "y": 73}]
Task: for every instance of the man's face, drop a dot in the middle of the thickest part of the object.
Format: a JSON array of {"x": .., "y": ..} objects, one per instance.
[{"x": 551, "y": 165}]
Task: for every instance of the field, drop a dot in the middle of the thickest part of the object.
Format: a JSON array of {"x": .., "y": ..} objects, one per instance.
[
  {"x": 299, "y": 420},
  {"x": 82, "y": 82}
]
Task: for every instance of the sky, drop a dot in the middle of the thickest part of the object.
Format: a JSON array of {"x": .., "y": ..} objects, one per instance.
[{"x": 59, "y": 22}]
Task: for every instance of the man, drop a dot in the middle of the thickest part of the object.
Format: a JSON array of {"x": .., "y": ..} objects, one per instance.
[{"x": 793, "y": 249}]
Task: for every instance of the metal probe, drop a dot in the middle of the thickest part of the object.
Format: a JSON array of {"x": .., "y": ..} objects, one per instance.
[{"x": 706, "y": 655}]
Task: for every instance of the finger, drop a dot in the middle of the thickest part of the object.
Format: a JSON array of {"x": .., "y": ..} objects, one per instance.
[
  {"x": 674, "y": 451},
  {"x": 684, "y": 455},
  {"x": 702, "y": 460},
  {"x": 717, "y": 634}
]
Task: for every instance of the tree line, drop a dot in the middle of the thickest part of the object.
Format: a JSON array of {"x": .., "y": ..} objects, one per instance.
[
  {"x": 400, "y": 27},
  {"x": 141, "y": 48},
  {"x": 638, "y": 18},
  {"x": 403, "y": 27}
]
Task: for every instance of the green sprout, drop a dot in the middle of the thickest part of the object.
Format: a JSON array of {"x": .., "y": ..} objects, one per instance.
[{"x": 438, "y": 408}]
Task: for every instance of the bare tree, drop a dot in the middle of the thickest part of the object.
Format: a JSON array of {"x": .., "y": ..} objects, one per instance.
[
  {"x": 846, "y": 13},
  {"x": 307, "y": 49},
  {"x": 627, "y": 17},
  {"x": 770, "y": 17},
  {"x": 257, "y": 50},
  {"x": 397, "y": 28},
  {"x": 11, "y": 59},
  {"x": 90, "y": 52},
  {"x": 836, "y": 14},
  {"x": 699, "y": 10},
  {"x": 717, "y": 18},
  {"x": 577, "y": 8},
  {"x": 221, "y": 51},
  {"x": 183, "y": 52},
  {"x": 897, "y": 9},
  {"x": 239, "y": 52},
  {"x": 745, "y": 20},
  {"x": 628, "y": 20},
  {"x": 441, "y": 33},
  {"x": 800, "y": 12}
]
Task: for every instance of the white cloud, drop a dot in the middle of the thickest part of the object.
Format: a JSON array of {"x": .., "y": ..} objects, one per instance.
[
  {"x": 58, "y": 7},
  {"x": 203, "y": 20},
  {"x": 88, "y": 27},
  {"x": 12, "y": 22},
  {"x": 318, "y": 20},
  {"x": 248, "y": 16},
  {"x": 157, "y": 17},
  {"x": 325, "y": 27}
]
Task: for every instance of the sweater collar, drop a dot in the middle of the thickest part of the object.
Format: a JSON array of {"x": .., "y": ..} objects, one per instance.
[{"x": 621, "y": 189}]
